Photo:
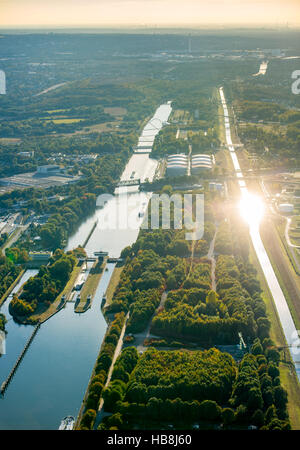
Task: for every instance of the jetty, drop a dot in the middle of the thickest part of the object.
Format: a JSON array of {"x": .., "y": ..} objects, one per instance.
[{"x": 5, "y": 383}]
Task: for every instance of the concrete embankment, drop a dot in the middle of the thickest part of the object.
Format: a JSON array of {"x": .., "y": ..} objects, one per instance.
[
  {"x": 89, "y": 289},
  {"x": 90, "y": 234}
]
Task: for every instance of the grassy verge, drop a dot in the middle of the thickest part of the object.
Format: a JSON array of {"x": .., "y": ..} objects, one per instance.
[
  {"x": 288, "y": 375},
  {"x": 114, "y": 281},
  {"x": 280, "y": 228},
  {"x": 281, "y": 280}
]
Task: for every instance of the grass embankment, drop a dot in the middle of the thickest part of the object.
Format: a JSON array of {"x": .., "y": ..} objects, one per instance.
[
  {"x": 294, "y": 258},
  {"x": 90, "y": 287},
  {"x": 283, "y": 269},
  {"x": 43, "y": 312},
  {"x": 114, "y": 281},
  {"x": 11, "y": 287}
]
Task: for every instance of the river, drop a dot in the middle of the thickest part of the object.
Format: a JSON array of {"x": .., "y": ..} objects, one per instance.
[
  {"x": 52, "y": 378},
  {"x": 287, "y": 323}
]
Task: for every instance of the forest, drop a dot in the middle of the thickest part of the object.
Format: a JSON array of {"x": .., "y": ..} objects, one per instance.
[
  {"x": 267, "y": 113},
  {"x": 204, "y": 388}
]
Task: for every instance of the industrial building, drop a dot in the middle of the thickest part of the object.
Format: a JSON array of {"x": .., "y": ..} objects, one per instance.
[
  {"x": 177, "y": 165},
  {"x": 179, "y": 156},
  {"x": 201, "y": 163},
  {"x": 38, "y": 259},
  {"x": 181, "y": 164},
  {"x": 49, "y": 169}
]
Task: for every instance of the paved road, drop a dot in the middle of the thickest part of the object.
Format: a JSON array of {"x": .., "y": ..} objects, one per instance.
[{"x": 287, "y": 323}]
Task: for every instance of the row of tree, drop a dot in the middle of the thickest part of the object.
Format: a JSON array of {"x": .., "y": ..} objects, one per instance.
[
  {"x": 100, "y": 373},
  {"x": 9, "y": 271}
]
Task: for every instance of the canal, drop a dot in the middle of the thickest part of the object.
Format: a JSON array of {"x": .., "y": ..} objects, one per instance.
[
  {"x": 284, "y": 314},
  {"x": 51, "y": 380}
]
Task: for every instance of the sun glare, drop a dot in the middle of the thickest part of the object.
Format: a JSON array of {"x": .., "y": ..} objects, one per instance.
[{"x": 251, "y": 209}]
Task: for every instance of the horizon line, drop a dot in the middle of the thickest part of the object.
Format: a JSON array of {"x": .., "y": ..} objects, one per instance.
[{"x": 154, "y": 26}]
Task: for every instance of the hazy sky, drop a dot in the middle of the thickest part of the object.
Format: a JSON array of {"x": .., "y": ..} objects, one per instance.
[{"x": 147, "y": 12}]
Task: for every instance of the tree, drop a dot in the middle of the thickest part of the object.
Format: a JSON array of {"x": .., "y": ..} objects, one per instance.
[
  {"x": 241, "y": 414},
  {"x": 209, "y": 410},
  {"x": 270, "y": 414},
  {"x": 273, "y": 371},
  {"x": 61, "y": 269},
  {"x": 88, "y": 419},
  {"x": 258, "y": 418},
  {"x": 111, "y": 396},
  {"x": 115, "y": 420},
  {"x": 255, "y": 400},
  {"x": 280, "y": 397},
  {"x": 257, "y": 348},
  {"x": 212, "y": 302},
  {"x": 273, "y": 355},
  {"x": 228, "y": 416},
  {"x": 96, "y": 388},
  {"x": 179, "y": 248}
]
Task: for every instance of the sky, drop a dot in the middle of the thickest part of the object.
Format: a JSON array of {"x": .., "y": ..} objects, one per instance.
[{"x": 27, "y": 13}]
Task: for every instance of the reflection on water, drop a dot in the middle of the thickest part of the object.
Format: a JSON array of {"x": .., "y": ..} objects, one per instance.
[
  {"x": 251, "y": 208},
  {"x": 118, "y": 224}
]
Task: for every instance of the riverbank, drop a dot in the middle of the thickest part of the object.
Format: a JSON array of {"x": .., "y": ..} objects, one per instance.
[{"x": 104, "y": 369}]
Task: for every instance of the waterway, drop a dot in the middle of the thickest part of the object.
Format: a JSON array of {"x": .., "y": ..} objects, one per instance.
[
  {"x": 51, "y": 380},
  {"x": 287, "y": 323}
]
